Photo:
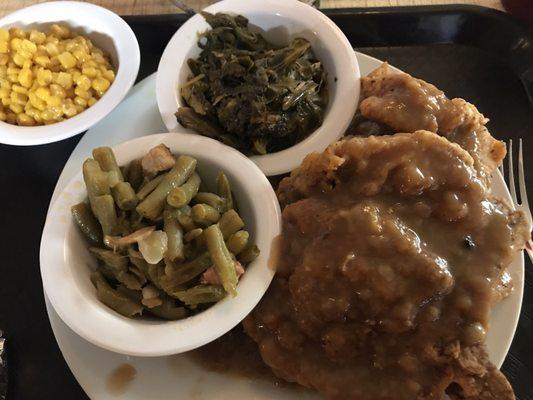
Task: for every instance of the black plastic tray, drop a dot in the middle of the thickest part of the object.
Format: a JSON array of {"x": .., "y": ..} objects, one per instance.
[{"x": 482, "y": 55}]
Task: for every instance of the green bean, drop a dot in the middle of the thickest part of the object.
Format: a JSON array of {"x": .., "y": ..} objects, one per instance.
[
  {"x": 201, "y": 294},
  {"x": 149, "y": 187},
  {"x": 138, "y": 274},
  {"x": 229, "y": 223},
  {"x": 221, "y": 257},
  {"x": 116, "y": 261},
  {"x": 183, "y": 214},
  {"x": 87, "y": 223},
  {"x": 135, "y": 174},
  {"x": 191, "y": 235},
  {"x": 96, "y": 180},
  {"x": 134, "y": 295},
  {"x": 131, "y": 281},
  {"x": 217, "y": 202},
  {"x": 153, "y": 204},
  {"x": 184, "y": 272},
  {"x": 204, "y": 214},
  {"x": 237, "y": 242},
  {"x": 124, "y": 196},
  {"x": 224, "y": 189},
  {"x": 169, "y": 310},
  {"x": 174, "y": 232},
  {"x": 104, "y": 210},
  {"x": 114, "y": 299},
  {"x": 182, "y": 195},
  {"x": 249, "y": 254},
  {"x": 106, "y": 160}
]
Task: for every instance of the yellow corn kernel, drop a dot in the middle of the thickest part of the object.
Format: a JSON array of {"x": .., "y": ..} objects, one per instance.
[
  {"x": 17, "y": 33},
  {"x": 80, "y": 55},
  {"x": 75, "y": 73},
  {"x": 4, "y": 46},
  {"x": 6, "y": 101},
  {"x": 84, "y": 94},
  {"x": 67, "y": 60},
  {"x": 37, "y": 37},
  {"x": 13, "y": 78},
  {"x": 91, "y": 101},
  {"x": 31, "y": 111},
  {"x": 25, "y": 120},
  {"x": 4, "y": 59},
  {"x": 18, "y": 98},
  {"x": 5, "y": 84},
  {"x": 100, "y": 84},
  {"x": 83, "y": 82},
  {"x": 80, "y": 101},
  {"x": 13, "y": 70},
  {"x": 3, "y": 71},
  {"x": 28, "y": 46},
  {"x": 19, "y": 59},
  {"x": 25, "y": 77},
  {"x": 58, "y": 91},
  {"x": 52, "y": 113},
  {"x": 4, "y": 34},
  {"x": 98, "y": 58},
  {"x": 52, "y": 49},
  {"x": 90, "y": 72},
  {"x": 19, "y": 89},
  {"x": 52, "y": 39},
  {"x": 27, "y": 64},
  {"x": 64, "y": 80},
  {"x": 71, "y": 46},
  {"x": 43, "y": 93},
  {"x": 4, "y": 93},
  {"x": 43, "y": 61},
  {"x": 69, "y": 109},
  {"x": 36, "y": 102},
  {"x": 61, "y": 31},
  {"x": 44, "y": 76},
  {"x": 16, "y": 108},
  {"x": 53, "y": 101},
  {"x": 3, "y": 116},
  {"x": 11, "y": 118},
  {"x": 14, "y": 44}
]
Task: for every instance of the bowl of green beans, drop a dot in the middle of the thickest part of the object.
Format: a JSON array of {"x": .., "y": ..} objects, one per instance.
[{"x": 160, "y": 245}]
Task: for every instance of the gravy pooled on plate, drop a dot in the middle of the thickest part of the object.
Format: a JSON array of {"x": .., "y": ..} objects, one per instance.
[{"x": 393, "y": 253}]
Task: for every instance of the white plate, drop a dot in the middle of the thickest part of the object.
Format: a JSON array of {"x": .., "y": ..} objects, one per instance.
[{"x": 177, "y": 377}]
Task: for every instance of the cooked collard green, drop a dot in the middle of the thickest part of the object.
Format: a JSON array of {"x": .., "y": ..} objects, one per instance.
[{"x": 250, "y": 94}]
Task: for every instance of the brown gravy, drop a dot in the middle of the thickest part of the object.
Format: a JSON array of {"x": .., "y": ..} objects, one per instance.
[
  {"x": 393, "y": 254},
  {"x": 119, "y": 380},
  {"x": 236, "y": 354}
]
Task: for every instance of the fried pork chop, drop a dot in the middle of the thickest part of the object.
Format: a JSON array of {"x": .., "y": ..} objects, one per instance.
[
  {"x": 391, "y": 254},
  {"x": 407, "y": 104}
]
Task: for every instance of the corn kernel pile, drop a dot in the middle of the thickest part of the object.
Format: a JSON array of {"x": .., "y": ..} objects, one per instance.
[{"x": 49, "y": 77}]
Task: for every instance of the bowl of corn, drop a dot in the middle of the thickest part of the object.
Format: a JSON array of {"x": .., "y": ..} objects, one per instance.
[{"x": 63, "y": 67}]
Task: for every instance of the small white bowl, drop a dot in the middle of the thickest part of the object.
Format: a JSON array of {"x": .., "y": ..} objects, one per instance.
[
  {"x": 278, "y": 21},
  {"x": 66, "y": 263},
  {"x": 107, "y": 31}
]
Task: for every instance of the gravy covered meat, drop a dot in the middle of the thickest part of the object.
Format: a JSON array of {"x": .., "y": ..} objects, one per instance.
[
  {"x": 393, "y": 252},
  {"x": 407, "y": 104}
]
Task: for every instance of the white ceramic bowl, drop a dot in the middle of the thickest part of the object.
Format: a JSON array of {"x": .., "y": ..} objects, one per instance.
[
  {"x": 109, "y": 32},
  {"x": 66, "y": 263},
  {"x": 278, "y": 21}
]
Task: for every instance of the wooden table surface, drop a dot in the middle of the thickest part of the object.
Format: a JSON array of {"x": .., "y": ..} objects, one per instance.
[{"x": 145, "y": 7}]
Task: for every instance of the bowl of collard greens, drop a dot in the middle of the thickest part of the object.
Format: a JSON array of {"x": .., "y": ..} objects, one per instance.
[{"x": 275, "y": 79}]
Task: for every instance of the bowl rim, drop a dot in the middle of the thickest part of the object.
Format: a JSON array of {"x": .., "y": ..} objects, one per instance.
[
  {"x": 126, "y": 47},
  {"x": 336, "y": 120},
  {"x": 103, "y": 327}
]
